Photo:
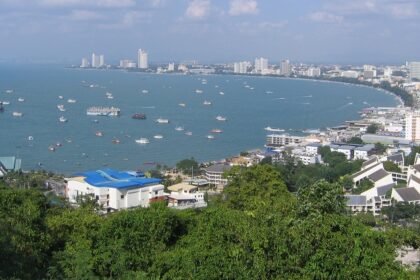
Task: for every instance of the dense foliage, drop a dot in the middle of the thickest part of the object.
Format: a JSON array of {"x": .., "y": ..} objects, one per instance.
[
  {"x": 256, "y": 229},
  {"x": 187, "y": 166}
]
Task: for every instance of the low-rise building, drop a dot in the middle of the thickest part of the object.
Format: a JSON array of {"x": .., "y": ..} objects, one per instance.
[
  {"x": 364, "y": 152},
  {"x": 312, "y": 148},
  {"x": 181, "y": 200},
  {"x": 214, "y": 174},
  {"x": 277, "y": 140},
  {"x": 115, "y": 190}
]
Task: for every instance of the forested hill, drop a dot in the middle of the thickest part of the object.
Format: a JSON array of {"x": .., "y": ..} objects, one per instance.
[{"x": 256, "y": 229}]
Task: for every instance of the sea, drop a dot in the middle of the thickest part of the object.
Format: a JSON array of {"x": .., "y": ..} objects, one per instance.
[{"x": 248, "y": 103}]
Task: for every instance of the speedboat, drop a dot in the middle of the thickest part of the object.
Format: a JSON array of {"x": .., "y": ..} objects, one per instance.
[
  {"x": 211, "y": 137},
  {"x": 182, "y": 104},
  {"x": 62, "y": 119},
  {"x": 221, "y": 93},
  {"x": 220, "y": 118},
  {"x": 61, "y": 97},
  {"x": 30, "y": 138},
  {"x": 71, "y": 100},
  {"x": 17, "y": 114},
  {"x": 116, "y": 141},
  {"x": 142, "y": 141},
  {"x": 179, "y": 128},
  {"x": 216, "y": 130},
  {"x": 10, "y": 91},
  {"x": 144, "y": 91},
  {"x": 206, "y": 102},
  {"x": 158, "y": 136},
  {"x": 20, "y": 99},
  {"x": 188, "y": 133},
  {"x": 161, "y": 120},
  {"x": 198, "y": 91},
  {"x": 61, "y": 108}
]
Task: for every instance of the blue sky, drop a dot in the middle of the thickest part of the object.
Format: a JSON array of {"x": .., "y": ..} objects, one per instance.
[{"x": 342, "y": 31}]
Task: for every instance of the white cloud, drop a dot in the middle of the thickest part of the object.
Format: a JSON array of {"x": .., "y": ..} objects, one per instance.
[
  {"x": 402, "y": 10},
  {"x": 243, "y": 7},
  {"x": 96, "y": 3},
  {"x": 325, "y": 17},
  {"x": 84, "y": 15},
  {"x": 198, "y": 9}
]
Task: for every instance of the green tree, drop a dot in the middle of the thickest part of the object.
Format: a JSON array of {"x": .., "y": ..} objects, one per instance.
[
  {"x": 355, "y": 140},
  {"x": 187, "y": 165},
  {"x": 380, "y": 148},
  {"x": 372, "y": 129},
  {"x": 364, "y": 185},
  {"x": 391, "y": 167},
  {"x": 347, "y": 182}
]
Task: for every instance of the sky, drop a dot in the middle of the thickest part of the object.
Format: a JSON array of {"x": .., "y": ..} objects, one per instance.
[{"x": 211, "y": 31}]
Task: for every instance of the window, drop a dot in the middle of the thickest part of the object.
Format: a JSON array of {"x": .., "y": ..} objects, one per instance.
[
  {"x": 97, "y": 197},
  {"x": 122, "y": 196},
  {"x": 156, "y": 192}
]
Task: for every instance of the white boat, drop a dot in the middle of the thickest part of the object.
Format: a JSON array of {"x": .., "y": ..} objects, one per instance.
[
  {"x": 158, "y": 136},
  {"x": 210, "y": 137},
  {"x": 144, "y": 91},
  {"x": 161, "y": 120},
  {"x": 5, "y": 102},
  {"x": 182, "y": 104},
  {"x": 142, "y": 141},
  {"x": 10, "y": 91},
  {"x": 220, "y": 118},
  {"x": 198, "y": 91},
  {"x": 71, "y": 100},
  {"x": 17, "y": 114},
  {"x": 30, "y": 138},
  {"x": 99, "y": 133},
  {"x": 273, "y": 129},
  {"x": 221, "y": 93},
  {"x": 62, "y": 119},
  {"x": 216, "y": 130},
  {"x": 206, "y": 102},
  {"x": 61, "y": 97},
  {"x": 179, "y": 128},
  {"x": 61, "y": 108},
  {"x": 188, "y": 133},
  {"x": 20, "y": 99},
  {"x": 110, "y": 97}
]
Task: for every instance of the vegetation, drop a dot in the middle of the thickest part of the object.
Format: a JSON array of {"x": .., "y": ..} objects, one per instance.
[
  {"x": 365, "y": 184},
  {"x": 355, "y": 140},
  {"x": 256, "y": 229},
  {"x": 186, "y": 166},
  {"x": 391, "y": 167},
  {"x": 372, "y": 129}
]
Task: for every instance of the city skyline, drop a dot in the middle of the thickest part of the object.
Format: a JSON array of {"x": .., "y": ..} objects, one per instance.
[{"x": 374, "y": 31}]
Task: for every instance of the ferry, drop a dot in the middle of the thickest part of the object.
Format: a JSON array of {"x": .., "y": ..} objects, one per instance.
[
  {"x": 273, "y": 129},
  {"x": 20, "y": 99},
  {"x": 206, "y": 102},
  {"x": 216, "y": 130},
  {"x": 103, "y": 111},
  {"x": 61, "y": 108},
  {"x": 139, "y": 116},
  {"x": 142, "y": 141},
  {"x": 211, "y": 137},
  {"x": 17, "y": 114},
  {"x": 198, "y": 91},
  {"x": 158, "y": 136},
  {"x": 99, "y": 133},
  {"x": 220, "y": 118},
  {"x": 179, "y": 128},
  {"x": 162, "y": 121},
  {"x": 71, "y": 100},
  {"x": 62, "y": 119}
]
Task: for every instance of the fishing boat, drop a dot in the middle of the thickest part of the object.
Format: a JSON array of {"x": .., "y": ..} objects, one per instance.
[
  {"x": 139, "y": 116},
  {"x": 20, "y": 99},
  {"x": 142, "y": 141},
  {"x": 158, "y": 136},
  {"x": 162, "y": 121},
  {"x": 207, "y": 103},
  {"x": 51, "y": 148},
  {"x": 5, "y": 102},
  {"x": 216, "y": 130},
  {"x": 62, "y": 119},
  {"x": 17, "y": 114},
  {"x": 268, "y": 128},
  {"x": 110, "y": 97},
  {"x": 221, "y": 119},
  {"x": 99, "y": 133}
]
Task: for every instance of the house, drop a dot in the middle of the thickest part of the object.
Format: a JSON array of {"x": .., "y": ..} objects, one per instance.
[
  {"x": 364, "y": 152},
  {"x": 214, "y": 173},
  {"x": 364, "y": 204},
  {"x": 8, "y": 164},
  {"x": 312, "y": 148},
  {"x": 344, "y": 149},
  {"x": 409, "y": 194},
  {"x": 398, "y": 159},
  {"x": 376, "y": 173},
  {"x": 181, "y": 200},
  {"x": 115, "y": 190}
]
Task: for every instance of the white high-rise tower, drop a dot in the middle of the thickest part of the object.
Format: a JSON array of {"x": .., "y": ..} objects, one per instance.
[
  {"x": 95, "y": 60},
  {"x": 142, "y": 58}
]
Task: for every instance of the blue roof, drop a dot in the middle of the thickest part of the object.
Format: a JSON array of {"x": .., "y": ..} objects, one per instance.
[{"x": 110, "y": 178}]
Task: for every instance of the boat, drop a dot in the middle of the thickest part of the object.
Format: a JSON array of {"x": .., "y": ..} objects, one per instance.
[
  {"x": 198, "y": 91},
  {"x": 58, "y": 144},
  {"x": 162, "y": 121},
  {"x": 51, "y": 148},
  {"x": 17, "y": 114},
  {"x": 158, "y": 136},
  {"x": 1, "y": 106},
  {"x": 139, "y": 116},
  {"x": 268, "y": 128},
  {"x": 188, "y": 133},
  {"x": 110, "y": 97},
  {"x": 5, "y": 102},
  {"x": 10, "y": 90},
  {"x": 221, "y": 93},
  {"x": 61, "y": 108},
  {"x": 61, "y": 97},
  {"x": 103, "y": 111},
  {"x": 71, "y": 100},
  {"x": 30, "y": 138},
  {"x": 206, "y": 102},
  {"x": 144, "y": 91},
  {"x": 115, "y": 141},
  {"x": 142, "y": 141},
  {"x": 182, "y": 104},
  {"x": 220, "y": 118},
  {"x": 216, "y": 130},
  {"x": 179, "y": 128},
  {"x": 62, "y": 119},
  {"x": 99, "y": 133},
  {"x": 210, "y": 137},
  {"x": 20, "y": 99}
]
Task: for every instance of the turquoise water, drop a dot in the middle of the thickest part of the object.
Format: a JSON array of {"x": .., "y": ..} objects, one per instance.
[{"x": 283, "y": 103}]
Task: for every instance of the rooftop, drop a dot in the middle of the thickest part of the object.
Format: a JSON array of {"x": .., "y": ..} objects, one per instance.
[
  {"x": 378, "y": 175},
  {"x": 408, "y": 194},
  {"x": 110, "y": 178},
  {"x": 184, "y": 186},
  {"x": 354, "y": 200},
  {"x": 219, "y": 168}
]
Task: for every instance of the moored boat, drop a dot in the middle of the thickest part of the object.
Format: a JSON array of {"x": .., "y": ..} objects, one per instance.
[
  {"x": 17, "y": 114},
  {"x": 142, "y": 141},
  {"x": 139, "y": 116},
  {"x": 221, "y": 119},
  {"x": 162, "y": 121}
]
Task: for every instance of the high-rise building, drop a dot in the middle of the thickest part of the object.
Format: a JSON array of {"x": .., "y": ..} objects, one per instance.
[
  {"x": 85, "y": 63},
  {"x": 95, "y": 60},
  {"x": 126, "y": 63},
  {"x": 101, "y": 60},
  {"x": 171, "y": 67},
  {"x": 142, "y": 59},
  {"x": 414, "y": 68},
  {"x": 388, "y": 72},
  {"x": 314, "y": 72},
  {"x": 412, "y": 126},
  {"x": 241, "y": 67},
  {"x": 261, "y": 64},
  {"x": 285, "y": 68}
]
